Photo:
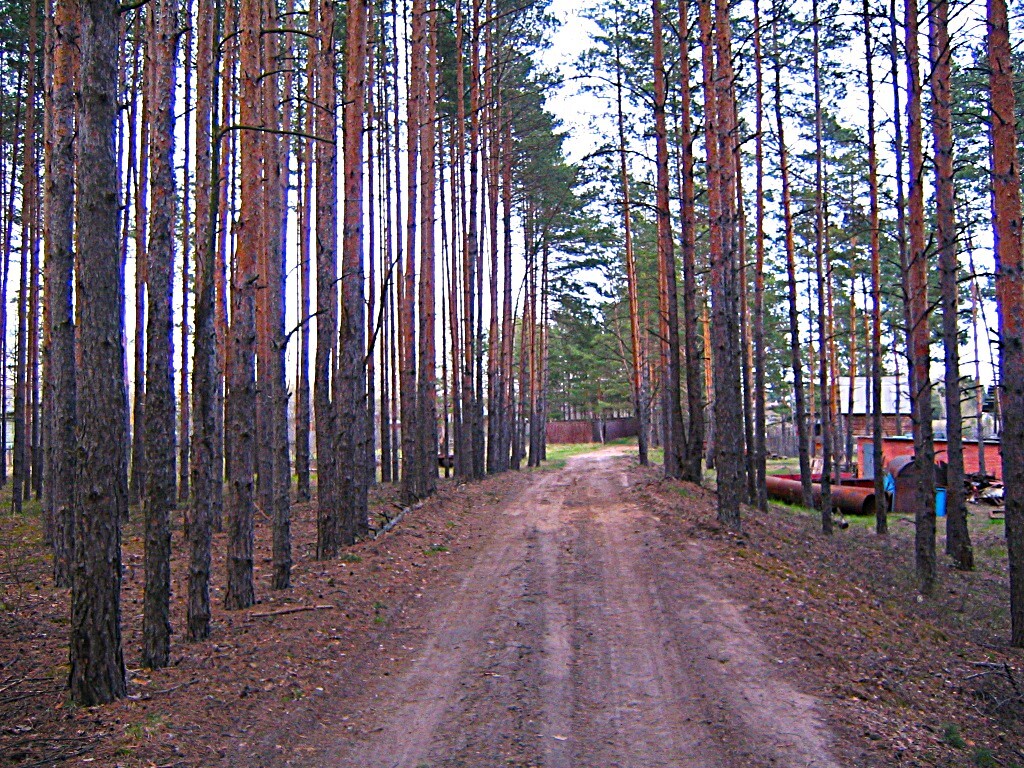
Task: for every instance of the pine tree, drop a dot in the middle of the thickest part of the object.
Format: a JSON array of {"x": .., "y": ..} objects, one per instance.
[
  {"x": 916, "y": 286},
  {"x": 159, "y": 492},
  {"x": 1006, "y": 207},
  {"x": 59, "y": 375},
  {"x": 97, "y": 664},
  {"x": 958, "y": 538}
]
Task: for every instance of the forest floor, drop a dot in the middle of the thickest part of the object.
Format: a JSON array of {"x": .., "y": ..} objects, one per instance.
[{"x": 590, "y": 614}]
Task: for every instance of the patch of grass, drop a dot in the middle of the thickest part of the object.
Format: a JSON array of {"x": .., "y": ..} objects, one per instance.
[
  {"x": 787, "y": 466},
  {"x": 435, "y": 549},
  {"x": 558, "y": 455},
  {"x": 951, "y": 736},
  {"x": 983, "y": 758},
  {"x": 621, "y": 441},
  {"x": 350, "y": 557},
  {"x": 144, "y": 730},
  {"x": 790, "y": 508}
]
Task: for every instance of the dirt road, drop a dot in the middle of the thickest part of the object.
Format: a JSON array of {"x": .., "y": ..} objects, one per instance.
[{"x": 575, "y": 637}]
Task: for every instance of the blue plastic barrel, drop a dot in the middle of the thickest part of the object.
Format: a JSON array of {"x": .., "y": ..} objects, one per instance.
[{"x": 940, "y": 502}]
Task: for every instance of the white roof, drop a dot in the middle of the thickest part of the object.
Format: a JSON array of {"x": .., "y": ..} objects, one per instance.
[{"x": 860, "y": 395}]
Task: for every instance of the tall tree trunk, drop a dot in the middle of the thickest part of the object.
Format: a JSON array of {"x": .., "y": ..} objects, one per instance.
[
  {"x": 137, "y": 479},
  {"x": 676, "y": 450},
  {"x": 323, "y": 67},
  {"x": 760, "y": 427},
  {"x": 979, "y": 390},
  {"x": 692, "y": 471},
  {"x": 373, "y": 321},
  {"x": 241, "y": 405},
  {"x": 721, "y": 186},
  {"x": 916, "y": 283},
  {"x": 729, "y": 449},
  {"x": 159, "y": 438},
  {"x": 639, "y": 392},
  {"x": 29, "y": 259},
  {"x": 97, "y": 664},
  {"x": 958, "y": 538},
  {"x": 207, "y": 477},
  {"x": 471, "y": 261},
  {"x": 493, "y": 355},
  {"x": 799, "y": 416},
  {"x": 184, "y": 411},
  {"x": 507, "y": 320},
  {"x": 426, "y": 396},
  {"x": 387, "y": 251},
  {"x": 353, "y": 430},
  {"x": 819, "y": 269},
  {"x": 742, "y": 300},
  {"x": 302, "y": 414},
  {"x": 411, "y": 462},
  {"x": 901, "y": 201},
  {"x": 277, "y": 110},
  {"x": 1006, "y": 207},
  {"x": 881, "y": 512},
  {"x": 8, "y": 238},
  {"x": 59, "y": 381}
]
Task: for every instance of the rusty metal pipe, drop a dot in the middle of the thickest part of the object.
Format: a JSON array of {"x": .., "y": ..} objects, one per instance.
[{"x": 848, "y": 499}]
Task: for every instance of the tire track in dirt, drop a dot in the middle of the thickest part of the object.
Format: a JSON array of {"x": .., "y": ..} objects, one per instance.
[{"x": 578, "y": 637}]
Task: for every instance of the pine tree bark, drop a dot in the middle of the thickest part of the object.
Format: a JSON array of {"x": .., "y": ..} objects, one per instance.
[
  {"x": 59, "y": 379},
  {"x": 958, "y": 538},
  {"x": 21, "y": 486},
  {"x": 639, "y": 391},
  {"x": 97, "y": 664},
  {"x": 426, "y": 395},
  {"x": 692, "y": 470},
  {"x": 353, "y": 430},
  {"x": 326, "y": 157},
  {"x": 206, "y": 476},
  {"x": 881, "y": 512},
  {"x": 8, "y": 238},
  {"x": 1006, "y": 210},
  {"x": 760, "y": 427},
  {"x": 411, "y": 461},
  {"x": 507, "y": 321},
  {"x": 916, "y": 283},
  {"x": 729, "y": 446},
  {"x": 159, "y": 493},
  {"x": 277, "y": 115},
  {"x": 819, "y": 269},
  {"x": 137, "y": 478},
  {"x": 494, "y": 396},
  {"x": 302, "y": 410},
  {"x": 184, "y": 405},
  {"x": 473, "y": 428},
  {"x": 676, "y": 450},
  {"x": 800, "y": 415},
  {"x": 240, "y": 406},
  {"x": 901, "y": 197}
]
